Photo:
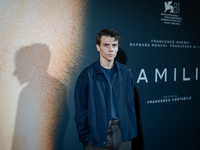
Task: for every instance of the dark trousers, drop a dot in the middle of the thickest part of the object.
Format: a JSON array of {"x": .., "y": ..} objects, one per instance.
[{"x": 114, "y": 140}]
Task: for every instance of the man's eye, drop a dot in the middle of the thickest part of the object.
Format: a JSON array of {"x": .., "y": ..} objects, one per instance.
[{"x": 114, "y": 45}]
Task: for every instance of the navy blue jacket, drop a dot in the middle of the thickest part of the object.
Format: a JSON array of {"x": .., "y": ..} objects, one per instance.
[{"x": 91, "y": 99}]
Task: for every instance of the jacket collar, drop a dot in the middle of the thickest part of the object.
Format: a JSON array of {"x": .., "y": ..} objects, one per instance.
[{"x": 98, "y": 66}]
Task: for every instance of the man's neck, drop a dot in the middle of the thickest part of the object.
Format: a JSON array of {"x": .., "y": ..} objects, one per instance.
[{"x": 106, "y": 64}]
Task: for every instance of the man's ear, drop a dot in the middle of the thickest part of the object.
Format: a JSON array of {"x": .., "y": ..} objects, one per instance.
[{"x": 98, "y": 47}]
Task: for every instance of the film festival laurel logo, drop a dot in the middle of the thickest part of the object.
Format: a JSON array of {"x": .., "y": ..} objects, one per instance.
[{"x": 171, "y": 13}]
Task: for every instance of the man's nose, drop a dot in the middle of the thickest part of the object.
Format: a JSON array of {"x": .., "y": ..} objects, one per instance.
[{"x": 110, "y": 48}]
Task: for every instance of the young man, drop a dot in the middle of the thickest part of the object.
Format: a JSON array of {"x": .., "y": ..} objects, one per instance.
[{"x": 104, "y": 99}]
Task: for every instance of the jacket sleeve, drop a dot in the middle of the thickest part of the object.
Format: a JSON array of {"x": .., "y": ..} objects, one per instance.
[
  {"x": 132, "y": 82},
  {"x": 81, "y": 110}
]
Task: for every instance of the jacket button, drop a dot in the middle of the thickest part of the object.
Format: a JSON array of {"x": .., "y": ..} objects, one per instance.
[{"x": 104, "y": 142}]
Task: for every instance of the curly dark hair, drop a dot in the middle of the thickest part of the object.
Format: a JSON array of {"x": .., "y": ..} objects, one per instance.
[{"x": 107, "y": 32}]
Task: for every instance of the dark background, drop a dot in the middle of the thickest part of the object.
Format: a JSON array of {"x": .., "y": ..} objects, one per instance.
[{"x": 161, "y": 126}]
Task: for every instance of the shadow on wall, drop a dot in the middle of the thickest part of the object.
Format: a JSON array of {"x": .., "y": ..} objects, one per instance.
[
  {"x": 42, "y": 114},
  {"x": 137, "y": 143},
  {"x": 121, "y": 56}
]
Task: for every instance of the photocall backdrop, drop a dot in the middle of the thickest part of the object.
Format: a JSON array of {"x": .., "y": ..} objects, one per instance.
[
  {"x": 45, "y": 45},
  {"x": 160, "y": 44}
]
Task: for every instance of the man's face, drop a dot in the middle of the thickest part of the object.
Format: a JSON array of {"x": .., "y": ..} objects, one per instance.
[{"x": 108, "y": 48}]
